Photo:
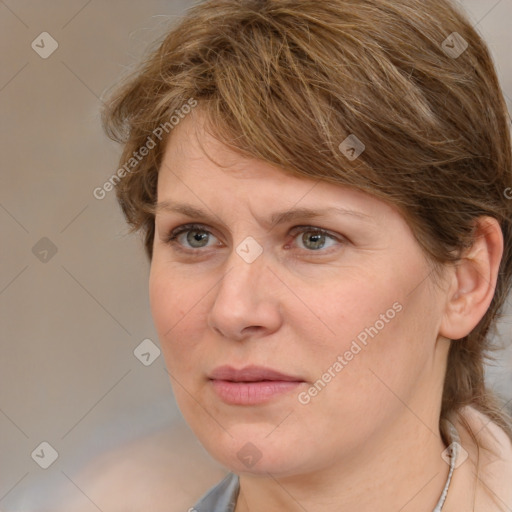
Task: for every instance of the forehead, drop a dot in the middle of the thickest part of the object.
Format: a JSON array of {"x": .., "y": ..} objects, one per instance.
[
  {"x": 200, "y": 170},
  {"x": 193, "y": 150}
]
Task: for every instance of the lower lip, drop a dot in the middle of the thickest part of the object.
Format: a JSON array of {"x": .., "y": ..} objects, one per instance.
[{"x": 251, "y": 393}]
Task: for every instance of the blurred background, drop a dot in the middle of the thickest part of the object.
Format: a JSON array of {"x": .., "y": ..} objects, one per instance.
[{"x": 83, "y": 389}]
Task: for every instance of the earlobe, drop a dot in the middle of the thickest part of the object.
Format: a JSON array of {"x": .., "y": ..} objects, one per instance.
[{"x": 473, "y": 280}]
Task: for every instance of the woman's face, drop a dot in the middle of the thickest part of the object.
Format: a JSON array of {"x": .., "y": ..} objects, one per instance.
[{"x": 293, "y": 340}]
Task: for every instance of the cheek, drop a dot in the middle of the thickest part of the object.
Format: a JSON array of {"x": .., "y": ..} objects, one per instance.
[
  {"x": 377, "y": 320},
  {"x": 174, "y": 308},
  {"x": 165, "y": 307},
  {"x": 360, "y": 374},
  {"x": 358, "y": 306}
]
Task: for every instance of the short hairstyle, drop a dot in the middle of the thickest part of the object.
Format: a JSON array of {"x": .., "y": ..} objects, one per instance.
[{"x": 288, "y": 81}]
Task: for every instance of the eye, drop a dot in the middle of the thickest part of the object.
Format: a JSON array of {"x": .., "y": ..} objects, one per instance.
[
  {"x": 314, "y": 239},
  {"x": 191, "y": 236}
]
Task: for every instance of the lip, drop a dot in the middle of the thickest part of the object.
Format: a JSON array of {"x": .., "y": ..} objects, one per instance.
[
  {"x": 251, "y": 374},
  {"x": 251, "y": 385}
]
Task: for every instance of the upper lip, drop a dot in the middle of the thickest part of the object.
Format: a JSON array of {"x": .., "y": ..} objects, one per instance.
[{"x": 250, "y": 374}]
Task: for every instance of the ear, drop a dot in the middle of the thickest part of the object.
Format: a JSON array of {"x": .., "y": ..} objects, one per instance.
[{"x": 473, "y": 280}]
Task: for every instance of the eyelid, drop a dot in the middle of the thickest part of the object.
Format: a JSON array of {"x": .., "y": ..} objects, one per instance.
[{"x": 308, "y": 227}]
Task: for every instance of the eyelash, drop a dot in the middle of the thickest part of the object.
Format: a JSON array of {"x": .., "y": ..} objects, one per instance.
[{"x": 171, "y": 238}]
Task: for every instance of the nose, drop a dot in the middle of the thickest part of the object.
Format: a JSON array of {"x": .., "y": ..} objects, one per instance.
[{"x": 246, "y": 301}]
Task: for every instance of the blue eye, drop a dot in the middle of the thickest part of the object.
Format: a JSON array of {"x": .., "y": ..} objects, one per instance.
[{"x": 191, "y": 238}]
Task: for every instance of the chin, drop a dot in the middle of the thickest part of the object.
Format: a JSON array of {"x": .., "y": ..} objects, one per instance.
[{"x": 250, "y": 449}]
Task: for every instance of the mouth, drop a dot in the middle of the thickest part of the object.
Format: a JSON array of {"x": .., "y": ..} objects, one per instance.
[{"x": 251, "y": 385}]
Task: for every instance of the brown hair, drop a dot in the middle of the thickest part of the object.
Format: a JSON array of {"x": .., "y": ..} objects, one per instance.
[{"x": 286, "y": 81}]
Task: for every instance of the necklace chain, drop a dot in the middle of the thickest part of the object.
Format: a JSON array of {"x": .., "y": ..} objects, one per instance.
[{"x": 454, "y": 452}]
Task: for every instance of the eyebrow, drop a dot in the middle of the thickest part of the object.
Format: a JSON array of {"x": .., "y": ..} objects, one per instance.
[{"x": 275, "y": 219}]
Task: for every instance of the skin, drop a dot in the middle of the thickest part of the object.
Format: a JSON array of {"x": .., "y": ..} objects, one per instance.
[{"x": 295, "y": 309}]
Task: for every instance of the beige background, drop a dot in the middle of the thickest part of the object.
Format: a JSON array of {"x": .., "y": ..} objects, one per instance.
[{"x": 70, "y": 325}]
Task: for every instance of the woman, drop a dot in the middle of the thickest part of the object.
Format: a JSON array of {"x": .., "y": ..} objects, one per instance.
[{"x": 322, "y": 192}]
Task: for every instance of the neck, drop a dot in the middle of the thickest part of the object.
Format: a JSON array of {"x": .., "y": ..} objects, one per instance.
[{"x": 399, "y": 469}]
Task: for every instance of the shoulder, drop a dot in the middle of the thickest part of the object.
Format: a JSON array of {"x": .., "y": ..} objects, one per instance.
[
  {"x": 482, "y": 480},
  {"x": 167, "y": 471}
]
